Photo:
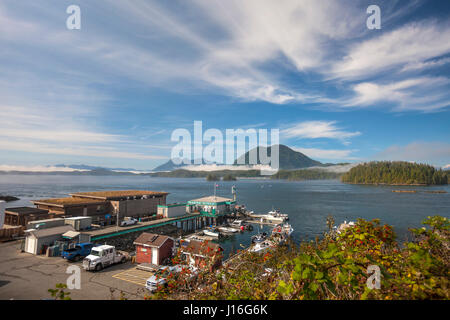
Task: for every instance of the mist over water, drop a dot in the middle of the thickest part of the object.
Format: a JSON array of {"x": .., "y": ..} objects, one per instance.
[{"x": 308, "y": 203}]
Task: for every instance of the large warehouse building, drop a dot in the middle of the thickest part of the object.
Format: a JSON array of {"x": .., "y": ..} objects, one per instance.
[{"x": 105, "y": 206}]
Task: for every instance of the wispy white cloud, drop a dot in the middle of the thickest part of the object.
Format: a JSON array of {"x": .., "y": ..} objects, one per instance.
[
  {"x": 328, "y": 153},
  {"x": 318, "y": 129},
  {"x": 9, "y": 168},
  {"x": 419, "y": 65},
  {"x": 425, "y": 94},
  {"x": 336, "y": 168},
  {"x": 74, "y": 150},
  {"x": 415, "y": 42}
]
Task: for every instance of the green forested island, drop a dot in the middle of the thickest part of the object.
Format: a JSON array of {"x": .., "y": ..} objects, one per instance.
[
  {"x": 229, "y": 177},
  {"x": 212, "y": 177},
  {"x": 306, "y": 174},
  {"x": 395, "y": 173}
]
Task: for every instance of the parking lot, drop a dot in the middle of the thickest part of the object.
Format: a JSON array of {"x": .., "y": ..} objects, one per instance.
[
  {"x": 134, "y": 275},
  {"x": 26, "y": 276}
]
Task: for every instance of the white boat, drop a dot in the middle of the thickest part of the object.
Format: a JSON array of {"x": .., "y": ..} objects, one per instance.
[
  {"x": 278, "y": 214},
  {"x": 211, "y": 233},
  {"x": 228, "y": 229},
  {"x": 260, "y": 246},
  {"x": 237, "y": 223},
  {"x": 283, "y": 229},
  {"x": 272, "y": 216},
  {"x": 260, "y": 237}
]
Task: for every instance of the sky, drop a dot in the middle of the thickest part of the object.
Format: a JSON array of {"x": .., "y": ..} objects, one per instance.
[{"x": 111, "y": 93}]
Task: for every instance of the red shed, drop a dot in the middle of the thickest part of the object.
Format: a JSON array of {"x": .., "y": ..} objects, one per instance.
[{"x": 153, "y": 248}]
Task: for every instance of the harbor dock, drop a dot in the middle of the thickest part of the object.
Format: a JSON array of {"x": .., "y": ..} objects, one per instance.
[{"x": 188, "y": 222}]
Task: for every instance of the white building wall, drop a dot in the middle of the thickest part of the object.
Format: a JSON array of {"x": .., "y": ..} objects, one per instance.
[{"x": 170, "y": 212}]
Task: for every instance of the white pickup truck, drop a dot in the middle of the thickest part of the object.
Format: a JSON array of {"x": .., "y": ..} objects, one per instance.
[
  {"x": 128, "y": 222},
  {"x": 101, "y": 257}
]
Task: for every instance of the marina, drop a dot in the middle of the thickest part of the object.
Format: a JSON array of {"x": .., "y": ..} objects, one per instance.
[{"x": 232, "y": 224}]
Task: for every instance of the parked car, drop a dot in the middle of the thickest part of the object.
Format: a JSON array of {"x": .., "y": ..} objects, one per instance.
[
  {"x": 128, "y": 222},
  {"x": 102, "y": 257},
  {"x": 159, "y": 278},
  {"x": 80, "y": 251}
]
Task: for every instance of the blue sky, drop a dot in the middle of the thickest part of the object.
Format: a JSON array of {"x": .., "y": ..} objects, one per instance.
[{"x": 111, "y": 93}]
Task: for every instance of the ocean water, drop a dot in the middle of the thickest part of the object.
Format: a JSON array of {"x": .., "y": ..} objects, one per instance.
[{"x": 308, "y": 203}]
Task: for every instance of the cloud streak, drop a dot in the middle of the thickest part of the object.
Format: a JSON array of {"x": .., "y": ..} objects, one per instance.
[{"x": 318, "y": 129}]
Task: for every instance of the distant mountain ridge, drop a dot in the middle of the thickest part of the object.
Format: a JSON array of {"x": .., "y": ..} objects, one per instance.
[
  {"x": 289, "y": 159},
  {"x": 170, "y": 165},
  {"x": 88, "y": 167}
]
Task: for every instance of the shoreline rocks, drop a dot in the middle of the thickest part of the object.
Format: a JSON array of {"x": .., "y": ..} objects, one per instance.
[{"x": 8, "y": 198}]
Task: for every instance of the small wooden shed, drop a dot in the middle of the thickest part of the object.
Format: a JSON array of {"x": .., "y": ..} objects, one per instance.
[{"x": 153, "y": 248}]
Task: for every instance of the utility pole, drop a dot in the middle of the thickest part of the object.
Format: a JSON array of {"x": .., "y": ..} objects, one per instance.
[{"x": 117, "y": 215}]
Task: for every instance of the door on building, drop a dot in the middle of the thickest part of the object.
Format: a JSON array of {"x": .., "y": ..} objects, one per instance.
[
  {"x": 155, "y": 256},
  {"x": 31, "y": 245}
]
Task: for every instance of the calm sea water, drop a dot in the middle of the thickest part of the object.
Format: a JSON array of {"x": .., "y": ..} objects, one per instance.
[{"x": 308, "y": 203}]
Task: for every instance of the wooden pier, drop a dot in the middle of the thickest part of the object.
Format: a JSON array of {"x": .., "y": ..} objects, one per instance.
[{"x": 188, "y": 222}]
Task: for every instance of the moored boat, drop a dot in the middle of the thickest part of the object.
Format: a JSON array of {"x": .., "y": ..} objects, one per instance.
[
  {"x": 228, "y": 229},
  {"x": 260, "y": 237},
  {"x": 283, "y": 229},
  {"x": 211, "y": 233},
  {"x": 260, "y": 246},
  {"x": 271, "y": 216}
]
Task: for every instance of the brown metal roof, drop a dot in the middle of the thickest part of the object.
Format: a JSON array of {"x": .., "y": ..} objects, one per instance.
[
  {"x": 117, "y": 194},
  {"x": 203, "y": 248},
  {"x": 67, "y": 202},
  {"x": 21, "y": 211},
  {"x": 151, "y": 240}
]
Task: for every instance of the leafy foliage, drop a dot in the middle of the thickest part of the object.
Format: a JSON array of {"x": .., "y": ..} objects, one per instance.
[
  {"x": 397, "y": 172},
  {"x": 59, "y": 293},
  {"x": 334, "y": 267}
]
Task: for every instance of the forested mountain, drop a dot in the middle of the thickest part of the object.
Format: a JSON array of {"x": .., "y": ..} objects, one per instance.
[
  {"x": 396, "y": 172},
  {"x": 289, "y": 159}
]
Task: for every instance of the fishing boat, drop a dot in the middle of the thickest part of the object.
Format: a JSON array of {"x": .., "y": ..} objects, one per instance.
[
  {"x": 283, "y": 229},
  {"x": 260, "y": 246},
  {"x": 228, "y": 229},
  {"x": 211, "y": 233},
  {"x": 237, "y": 223},
  {"x": 271, "y": 216},
  {"x": 260, "y": 237},
  {"x": 241, "y": 225}
]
